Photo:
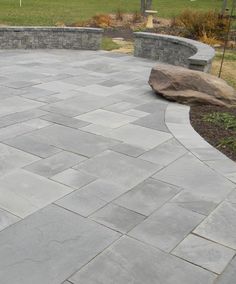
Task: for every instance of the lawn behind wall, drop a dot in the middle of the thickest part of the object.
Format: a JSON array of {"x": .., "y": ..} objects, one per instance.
[{"x": 51, "y": 12}]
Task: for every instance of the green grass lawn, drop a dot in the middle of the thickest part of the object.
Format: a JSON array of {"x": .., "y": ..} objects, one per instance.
[{"x": 49, "y": 12}]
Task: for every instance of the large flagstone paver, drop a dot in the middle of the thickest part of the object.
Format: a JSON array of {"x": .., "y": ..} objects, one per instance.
[
  {"x": 89, "y": 153},
  {"x": 23, "y": 193},
  {"x": 220, "y": 225},
  {"x": 130, "y": 261},
  {"x": 166, "y": 227},
  {"x": 49, "y": 246},
  {"x": 118, "y": 168}
]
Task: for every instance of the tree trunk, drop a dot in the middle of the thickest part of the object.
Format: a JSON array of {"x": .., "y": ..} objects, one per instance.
[
  {"x": 143, "y": 7},
  {"x": 148, "y": 5},
  {"x": 224, "y": 6}
]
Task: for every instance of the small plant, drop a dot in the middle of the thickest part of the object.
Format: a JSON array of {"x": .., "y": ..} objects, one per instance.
[
  {"x": 136, "y": 17},
  {"x": 102, "y": 20},
  {"x": 119, "y": 15},
  {"x": 222, "y": 119},
  {"x": 228, "y": 142},
  {"x": 108, "y": 44}
]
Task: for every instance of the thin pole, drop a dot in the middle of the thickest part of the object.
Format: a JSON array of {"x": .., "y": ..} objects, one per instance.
[
  {"x": 227, "y": 38},
  {"x": 20, "y": 3}
]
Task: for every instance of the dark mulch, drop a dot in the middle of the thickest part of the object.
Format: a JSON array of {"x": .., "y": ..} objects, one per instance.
[
  {"x": 125, "y": 33},
  {"x": 210, "y": 132}
]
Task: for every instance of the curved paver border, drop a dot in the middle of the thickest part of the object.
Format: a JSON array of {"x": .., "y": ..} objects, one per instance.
[
  {"x": 178, "y": 122},
  {"x": 174, "y": 50},
  {"x": 50, "y": 37}
]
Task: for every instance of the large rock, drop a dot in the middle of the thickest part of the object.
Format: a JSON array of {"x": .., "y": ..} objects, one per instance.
[{"x": 191, "y": 87}]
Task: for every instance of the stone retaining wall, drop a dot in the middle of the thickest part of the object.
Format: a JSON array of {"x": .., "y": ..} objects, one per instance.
[
  {"x": 174, "y": 50},
  {"x": 50, "y": 37}
]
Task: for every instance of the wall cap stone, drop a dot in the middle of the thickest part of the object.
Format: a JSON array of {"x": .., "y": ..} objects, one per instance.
[
  {"x": 54, "y": 29},
  {"x": 204, "y": 53}
]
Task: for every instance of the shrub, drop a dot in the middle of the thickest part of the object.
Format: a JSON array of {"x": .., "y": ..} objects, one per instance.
[
  {"x": 102, "y": 21},
  {"x": 119, "y": 15},
  {"x": 197, "y": 24},
  {"x": 136, "y": 17}
]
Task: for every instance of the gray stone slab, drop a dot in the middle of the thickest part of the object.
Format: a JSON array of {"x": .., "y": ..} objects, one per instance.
[
  {"x": 119, "y": 169},
  {"x": 220, "y": 225},
  {"x": 135, "y": 113},
  {"x": 167, "y": 227},
  {"x": 51, "y": 244},
  {"x": 7, "y": 219},
  {"x": 153, "y": 107},
  {"x": 23, "y": 193},
  {"x": 82, "y": 202},
  {"x": 17, "y": 104},
  {"x": 120, "y": 107},
  {"x": 117, "y": 218},
  {"x": 207, "y": 254},
  {"x": 139, "y": 136},
  {"x": 154, "y": 121},
  {"x": 73, "y": 178},
  {"x": 55, "y": 164},
  {"x": 229, "y": 275},
  {"x": 127, "y": 149},
  {"x": 65, "y": 120},
  {"x": 130, "y": 261},
  {"x": 6, "y": 92},
  {"x": 104, "y": 190},
  {"x": 14, "y": 130},
  {"x": 12, "y": 159},
  {"x": 208, "y": 154},
  {"x": 20, "y": 117},
  {"x": 195, "y": 202},
  {"x": 67, "y": 139},
  {"x": 147, "y": 196},
  {"x": 193, "y": 175},
  {"x": 33, "y": 146},
  {"x": 165, "y": 153},
  {"x": 225, "y": 166},
  {"x": 106, "y": 118},
  {"x": 81, "y": 104},
  {"x": 37, "y": 123}
]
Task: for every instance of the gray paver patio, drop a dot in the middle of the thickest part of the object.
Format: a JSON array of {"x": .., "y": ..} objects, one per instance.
[{"x": 102, "y": 182}]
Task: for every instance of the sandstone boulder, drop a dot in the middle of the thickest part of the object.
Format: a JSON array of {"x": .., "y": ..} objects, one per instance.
[{"x": 191, "y": 87}]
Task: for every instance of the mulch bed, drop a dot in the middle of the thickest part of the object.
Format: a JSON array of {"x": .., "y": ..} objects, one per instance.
[{"x": 210, "y": 132}]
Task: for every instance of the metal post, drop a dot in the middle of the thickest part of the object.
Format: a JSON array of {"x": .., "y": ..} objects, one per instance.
[{"x": 227, "y": 37}]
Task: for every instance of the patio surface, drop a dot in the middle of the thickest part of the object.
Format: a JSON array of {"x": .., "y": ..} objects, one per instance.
[{"x": 103, "y": 182}]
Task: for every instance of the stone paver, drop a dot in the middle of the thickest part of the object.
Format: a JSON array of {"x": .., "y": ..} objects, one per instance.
[
  {"x": 49, "y": 246},
  {"x": 202, "y": 252},
  {"x": 102, "y": 181},
  {"x": 130, "y": 261}
]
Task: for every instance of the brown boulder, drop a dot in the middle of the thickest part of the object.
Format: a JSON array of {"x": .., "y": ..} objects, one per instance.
[{"x": 191, "y": 87}]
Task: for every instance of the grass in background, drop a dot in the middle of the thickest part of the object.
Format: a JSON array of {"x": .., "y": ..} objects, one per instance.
[
  {"x": 108, "y": 44},
  {"x": 49, "y": 12},
  {"x": 229, "y": 67}
]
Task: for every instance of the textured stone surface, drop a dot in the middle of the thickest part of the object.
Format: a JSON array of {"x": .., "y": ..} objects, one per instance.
[
  {"x": 23, "y": 193},
  {"x": 147, "y": 196},
  {"x": 105, "y": 175},
  {"x": 204, "y": 253},
  {"x": 167, "y": 227},
  {"x": 220, "y": 225},
  {"x": 51, "y": 244},
  {"x": 119, "y": 169},
  {"x": 117, "y": 218},
  {"x": 50, "y": 37},
  {"x": 174, "y": 50},
  {"x": 191, "y": 87},
  {"x": 126, "y": 261}
]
